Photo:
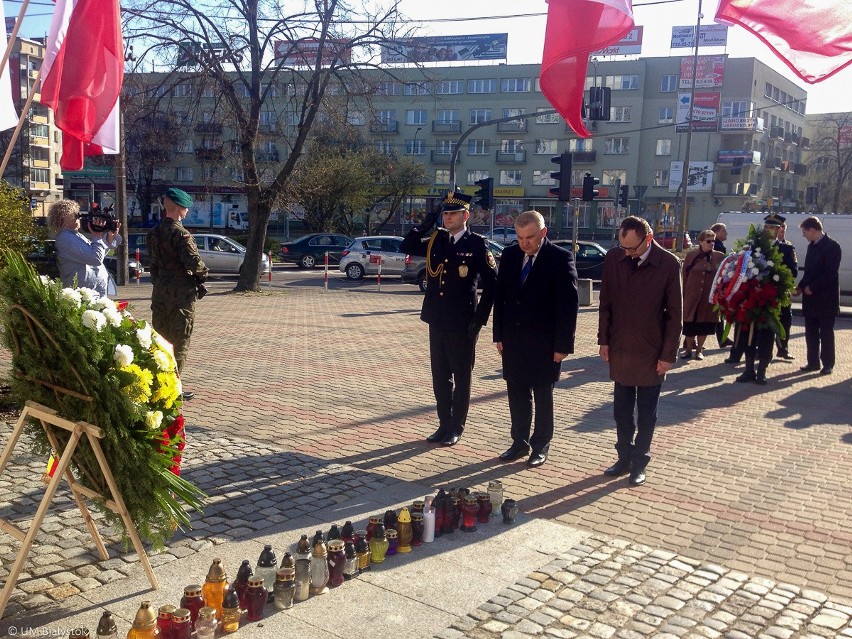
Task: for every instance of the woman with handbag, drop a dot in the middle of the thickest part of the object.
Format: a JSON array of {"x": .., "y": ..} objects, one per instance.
[{"x": 699, "y": 318}]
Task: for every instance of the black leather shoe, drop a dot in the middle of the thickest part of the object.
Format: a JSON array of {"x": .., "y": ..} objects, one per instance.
[
  {"x": 621, "y": 467},
  {"x": 809, "y": 369},
  {"x": 514, "y": 452},
  {"x": 785, "y": 355},
  {"x": 637, "y": 477},
  {"x": 760, "y": 380},
  {"x": 826, "y": 371},
  {"x": 187, "y": 395},
  {"x": 451, "y": 439},
  {"x": 437, "y": 436},
  {"x": 748, "y": 376},
  {"x": 726, "y": 343},
  {"x": 731, "y": 360},
  {"x": 537, "y": 459}
]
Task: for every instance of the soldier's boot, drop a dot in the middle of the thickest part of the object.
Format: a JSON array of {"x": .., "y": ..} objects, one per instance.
[
  {"x": 748, "y": 374},
  {"x": 761, "y": 373}
]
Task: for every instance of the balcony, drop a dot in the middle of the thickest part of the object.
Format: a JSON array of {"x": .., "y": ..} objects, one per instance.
[
  {"x": 583, "y": 157},
  {"x": 212, "y": 154},
  {"x": 511, "y": 157},
  {"x": 443, "y": 128},
  {"x": 37, "y": 140},
  {"x": 734, "y": 188},
  {"x": 773, "y": 163},
  {"x": 268, "y": 156},
  {"x": 512, "y": 127},
  {"x": 441, "y": 156},
  {"x": 212, "y": 128},
  {"x": 40, "y": 164},
  {"x": 791, "y": 138},
  {"x": 384, "y": 127},
  {"x": 800, "y": 169},
  {"x": 776, "y": 132},
  {"x": 787, "y": 166},
  {"x": 804, "y": 142}
]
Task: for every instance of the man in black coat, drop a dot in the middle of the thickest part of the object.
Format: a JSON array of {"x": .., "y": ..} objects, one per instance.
[
  {"x": 791, "y": 261},
  {"x": 820, "y": 289},
  {"x": 535, "y": 318},
  {"x": 456, "y": 259}
]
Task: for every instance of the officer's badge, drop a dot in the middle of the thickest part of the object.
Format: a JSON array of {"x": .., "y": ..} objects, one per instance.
[
  {"x": 491, "y": 261},
  {"x": 463, "y": 270}
]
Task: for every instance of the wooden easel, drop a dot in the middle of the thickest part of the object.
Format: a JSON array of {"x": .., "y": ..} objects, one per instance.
[{"x": 50, "y": 419}]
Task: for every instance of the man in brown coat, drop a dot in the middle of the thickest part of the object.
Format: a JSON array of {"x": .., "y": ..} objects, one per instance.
[{"x": 639, "y": 324}]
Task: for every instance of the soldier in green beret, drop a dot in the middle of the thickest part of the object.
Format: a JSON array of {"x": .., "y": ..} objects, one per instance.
[{"x": 177, "y": 273}]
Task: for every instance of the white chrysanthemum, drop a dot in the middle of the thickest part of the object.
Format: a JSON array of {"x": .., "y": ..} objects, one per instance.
[
  {"x": 104, "y": 302},
  {"x": 757, "y": 251},
  {"x": 163, "y": 360},
  {"x": 153, "y": 419},
  {"x": 123, "y": 355},
  {"x": 770, "y": 263},
  {"x": 94, "y": 319},
  {"x": 113, "y": 316},
  {"x": 755, "y": 271},
  {"x": 45, "y": 280},
  {"x": 776, "y": 278},
  {"x": 89, "y": 295},
  {"x": 72, "y": 295},
  {"x": 751, "y": 263},
  {"x": 143, "y": 335},
  {"x": 163, "y": 343}
]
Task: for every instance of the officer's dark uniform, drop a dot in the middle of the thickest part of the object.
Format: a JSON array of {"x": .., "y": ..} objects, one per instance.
[
  {"x": 454, "y": 316},
  {"x": 789, "y": 259},
  {"x": 176, "y": 271}
]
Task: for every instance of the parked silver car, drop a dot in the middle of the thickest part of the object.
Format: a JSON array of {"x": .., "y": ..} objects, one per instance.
[
  {"x": 222, "y": 254},
  {"x": 363, "y": 254}
]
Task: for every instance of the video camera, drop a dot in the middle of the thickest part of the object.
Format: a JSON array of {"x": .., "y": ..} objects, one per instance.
[{"x": 100, "y": 220}]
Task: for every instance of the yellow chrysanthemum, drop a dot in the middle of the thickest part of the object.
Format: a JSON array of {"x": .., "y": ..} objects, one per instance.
[
  {"x": 167, "y": 389},
  {"x": 139, "y": 391}
]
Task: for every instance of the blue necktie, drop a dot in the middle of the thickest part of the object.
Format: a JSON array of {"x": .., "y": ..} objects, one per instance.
[{"x": 526, "y": 270}]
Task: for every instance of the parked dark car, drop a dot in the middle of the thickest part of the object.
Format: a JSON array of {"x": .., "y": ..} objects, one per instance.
[
  {"x": 589, "y": 257},
  {"x": 415, "y": 266},
  {"x": 309, "y": 251}
]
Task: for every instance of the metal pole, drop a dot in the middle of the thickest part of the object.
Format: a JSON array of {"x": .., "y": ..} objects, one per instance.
[
  {"x": 121, "y": 204},
  {"x": 681, "y": 241}
]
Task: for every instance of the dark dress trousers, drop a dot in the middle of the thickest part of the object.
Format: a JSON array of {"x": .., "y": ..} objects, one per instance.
[
  {"x": 450, "y": 307},
  {"x": 534, "y": 319},
  {"x": 822, "y": 275}
]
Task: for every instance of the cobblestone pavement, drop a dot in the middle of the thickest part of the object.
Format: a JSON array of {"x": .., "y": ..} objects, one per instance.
[{"x": 302, "y": 391}]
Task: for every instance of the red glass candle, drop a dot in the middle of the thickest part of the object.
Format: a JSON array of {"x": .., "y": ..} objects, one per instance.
[
  {"x": 371, "y": 526},
  {"x": 470, "y": 509},
  {"x": 485, "y": 507},
  {"x": 181, "y": 625},
  {"x": 336, "y": 562},
  {"x": 255, "y": 598},
  {"x": 192, "y": 601},
  {"x": 164, "y": 621},
  {"x": 417, "y": 528},
  {"x": 241, "y": 582}
]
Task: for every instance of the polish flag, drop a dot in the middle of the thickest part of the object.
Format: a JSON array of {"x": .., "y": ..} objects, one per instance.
[
  {"x": 575, "y": 28},
  {"x": 82, "y": 73},
  {"x": 813, "y": 38},
  {"x": 8, "y": 114}
]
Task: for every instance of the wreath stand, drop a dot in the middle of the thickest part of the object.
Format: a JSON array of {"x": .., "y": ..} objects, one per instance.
[{"x": 50, "y": 420}]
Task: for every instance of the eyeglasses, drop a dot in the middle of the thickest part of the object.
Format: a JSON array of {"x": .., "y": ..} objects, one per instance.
[
  {"x": 708, "y": 241},
  {"x": 631, "y": 249}
]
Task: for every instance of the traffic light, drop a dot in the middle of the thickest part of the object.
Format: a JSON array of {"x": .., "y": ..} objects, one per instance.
[
  {"x": 563, "y": 177},
  {"x": 738, "y": 166},
  {"x": 484, "y": 197},
  {"x": 622, "y": 195},
  {"x": 589, "y": 190},
  {"x": 599, "y": 103}
]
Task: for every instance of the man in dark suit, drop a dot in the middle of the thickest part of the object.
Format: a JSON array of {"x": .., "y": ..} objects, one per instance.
[
  {"x": 639, "y": 325},
  {"x": 820, "y": 289},
  {"x": 791, "y": 261},
  {"x": 535, "y": 317},
  {"x": 456, "y": 259}
]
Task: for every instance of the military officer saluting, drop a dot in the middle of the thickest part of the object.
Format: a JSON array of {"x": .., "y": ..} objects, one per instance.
[
  {"x": 177, "y": 273},
  {"x": 456, "y": 259}
]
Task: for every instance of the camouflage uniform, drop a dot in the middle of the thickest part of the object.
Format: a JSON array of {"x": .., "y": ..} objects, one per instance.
[{"x": 176, "y": 272}]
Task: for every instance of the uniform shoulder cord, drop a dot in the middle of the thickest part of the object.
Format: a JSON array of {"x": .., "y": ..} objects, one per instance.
[{"x": 433, "y": 272}]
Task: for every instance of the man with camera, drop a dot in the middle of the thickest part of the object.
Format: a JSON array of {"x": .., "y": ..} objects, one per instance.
[
  {"x": 177, "y": 273},
  {"x": 81, "y": 259}
]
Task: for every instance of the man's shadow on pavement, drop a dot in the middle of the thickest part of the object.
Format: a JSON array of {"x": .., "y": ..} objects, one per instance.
[{"x": 826, "y": 406}]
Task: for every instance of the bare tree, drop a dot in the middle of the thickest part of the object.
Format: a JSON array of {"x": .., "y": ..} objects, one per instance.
[
  {"x": 246, "y": 50},
  {"x": 831, "y": 166}
]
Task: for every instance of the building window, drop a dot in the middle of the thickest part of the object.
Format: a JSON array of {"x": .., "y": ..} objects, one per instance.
[
  {"x": 482, "y": 86},
  {"x": 442, "y": 176},
  {"x": 616, "y": 146},
  {"x": 355, "y": 118},
  {"x": 388, "y": 88},
  {"x": 736, "y": 108},
  {"x": 542, "y": 178},
  {"x": 448, "y": 87},
  {"x": 267, "y": 118},
  {"x": 611, "y": 176},
  {"x": 511, "y": 178},
  {"x": 386, "y": 116},
  {"x": 474, "y": 176},
  {"x": 511, "y": 146},
  {"x": 668, "y": 84},
  {"x": 545, "y": 147},
  {"x": 477, "y": 116},
  {"x": 515, "y": 85},
  {"x": 661, "y": 177},
  {"x": 385, "y": 147},
  {"x": 547, "y": 118},
  {"x": 40, "y": 175},
  {"x": 415, "y": 88},
  {"x": 664, "y": 147},
  {"x": 477, "y": 147},
  {"x": 183, "y": 90},
  {"x": 579, "y": 146},
  {"x": 666, "y": 115},
  {"x": 447, "y": 116},
  {"x": 415, "y": 116},
  {"x": 445, "y": 147},
  {"x": 271, "y": 90},
  {"x": 620, "y": 114},
  {"x": 414, "y": 147},
  {"x": 183, "y": 174},
  {"x": 186, "y": 146}
]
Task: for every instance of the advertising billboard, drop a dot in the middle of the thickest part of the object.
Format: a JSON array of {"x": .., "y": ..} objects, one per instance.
[
  {"x": 630, "y": 44},
  {"x": 700, "y": 176},
  {"x": 705, "y": 111},
  {"x": 490, "y": 46},
  {"x": 304, "y": 52},
  {"x": 709, "y": 35},
  {"x": 709, "y": 71}
]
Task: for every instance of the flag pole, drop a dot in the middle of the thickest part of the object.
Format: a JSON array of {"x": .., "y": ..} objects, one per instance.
[
  {"x": 17, "y": 131},
  {"x": 14, "y": 34}
]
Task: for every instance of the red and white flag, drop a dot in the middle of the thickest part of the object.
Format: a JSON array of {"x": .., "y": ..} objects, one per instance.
[
  {"x": 813, "y": 38},
  {"x": 81, "y": 78},
  {"x": 8, "y": 114},
  {"x": 575, "y": 28}
]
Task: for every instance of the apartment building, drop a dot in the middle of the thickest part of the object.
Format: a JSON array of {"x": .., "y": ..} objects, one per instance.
[{"x": 746, "y": 142}]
